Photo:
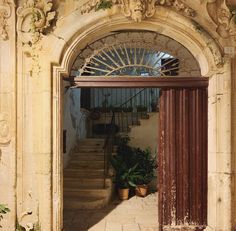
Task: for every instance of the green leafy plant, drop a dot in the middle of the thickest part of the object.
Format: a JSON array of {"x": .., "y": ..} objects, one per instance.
[
  {"x": 125, "y": 175},
  {"x": 103, "y": 5},
  {"x": 146, "y": 165},
  {"x": 3, "y": 210},
  {"x": 133, "y": 166}
]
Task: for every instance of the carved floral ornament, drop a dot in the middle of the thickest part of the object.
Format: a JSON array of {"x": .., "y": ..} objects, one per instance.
[
  {"x": 5, "y": 13},
  {"x": 138, "y": 10},
  {"x": 5, "y": 136},
  {"x": 34, "y": 17},
  {"x": 223, "y": 17}
]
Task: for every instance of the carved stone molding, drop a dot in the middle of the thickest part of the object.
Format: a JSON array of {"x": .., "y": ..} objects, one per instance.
[
  {"x": 34, "y": 18},
  {"x": 138, "y": 10},
  {"x": 177, "y": 5},
  {"x": 5, "y": 136},
  {"x": 224, "y": 19},
  {"x": 28, "y": 226},
  {"x": 5, "y": 13}
]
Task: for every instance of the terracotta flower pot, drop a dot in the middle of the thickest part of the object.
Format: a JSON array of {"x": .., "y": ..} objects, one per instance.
[
  {"x": 123, "y": 193},
  {"x": 141, "y": 190}
]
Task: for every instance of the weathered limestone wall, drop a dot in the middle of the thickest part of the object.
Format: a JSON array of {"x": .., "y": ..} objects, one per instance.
[
  {"x": 34, "y": 144},
  {"x": 233, "y": 141},
  {"x": 206, "y": 53},
  {"x": 8, "y": 113},
  {"x": 220, "y": 151}
]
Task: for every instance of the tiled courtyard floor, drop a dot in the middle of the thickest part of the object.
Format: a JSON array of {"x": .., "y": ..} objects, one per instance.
[{"x": 135, "y": 214}]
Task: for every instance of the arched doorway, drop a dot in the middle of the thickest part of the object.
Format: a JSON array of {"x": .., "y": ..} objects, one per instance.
[
  {"x": 207, "y": 61},
  {"x": 183, "y": 128}
]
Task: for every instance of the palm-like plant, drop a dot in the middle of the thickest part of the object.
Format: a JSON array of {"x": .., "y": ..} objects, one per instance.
[
  {"x": 133, "y": 166},
  {"x": 146, "y": 165},
  {"x": 125, "y": 175}
]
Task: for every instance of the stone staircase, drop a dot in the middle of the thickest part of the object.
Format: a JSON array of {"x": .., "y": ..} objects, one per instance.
[{"x": 84, "y": 183}]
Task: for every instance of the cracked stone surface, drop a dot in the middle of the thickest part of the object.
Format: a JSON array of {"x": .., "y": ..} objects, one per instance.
[{"x": 135, "y": 214}]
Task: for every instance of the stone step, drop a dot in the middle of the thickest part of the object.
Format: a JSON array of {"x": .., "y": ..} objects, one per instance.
[
  {"x": 86, "y": 192},
  {"x": 84, "y": 173},
  {"x": 83, "y": 153},
  {"x": 91, "y": 143},
  {"x": 87, "y": 171},
  {"x": 91, "y": 140},
  {"x": 83, "y": 157},
  {"x": 84, "y": 177},
  {"x": 75, "y": 202},
  {"x": 84, "y": 184},
  {"x": 95, "y": 182},
  {"x": 83, "y": 164},
  {"x": 90, "y": 149},
  {"x": 87, "y": 145}
]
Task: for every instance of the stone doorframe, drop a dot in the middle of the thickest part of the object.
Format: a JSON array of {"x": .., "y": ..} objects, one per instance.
[
  {"x": 58, "y": 52},
  {"x": 182, "y": 149}
]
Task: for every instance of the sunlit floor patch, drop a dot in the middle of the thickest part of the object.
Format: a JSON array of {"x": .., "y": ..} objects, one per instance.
[{"x": 135, "y": 214}]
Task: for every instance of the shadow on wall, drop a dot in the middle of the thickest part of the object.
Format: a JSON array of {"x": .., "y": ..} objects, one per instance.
[{"x": 74, "y": 121}]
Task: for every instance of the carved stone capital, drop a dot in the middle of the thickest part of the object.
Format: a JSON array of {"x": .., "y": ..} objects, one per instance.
[
  {"x": 5, "y": 135},
  {"x": 5, "y": 13},
  {"x": 138, "y": 10},
  {"x": 223, "y": 17},
  {"x": 34, "y": 17}
]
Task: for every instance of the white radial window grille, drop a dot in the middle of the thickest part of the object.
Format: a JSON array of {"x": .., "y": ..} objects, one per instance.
[{"x": 135, "y": 54}]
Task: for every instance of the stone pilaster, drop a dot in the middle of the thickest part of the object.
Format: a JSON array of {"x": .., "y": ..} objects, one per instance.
[{"x": 8, "y": 112}]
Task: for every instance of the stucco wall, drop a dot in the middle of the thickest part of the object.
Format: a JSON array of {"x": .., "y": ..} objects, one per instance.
[
  {"x": 74, "y": 121},
  {"x": 146, "y": 135}
]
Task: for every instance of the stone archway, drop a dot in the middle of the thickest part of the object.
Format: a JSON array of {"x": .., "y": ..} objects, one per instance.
[{"x": 201, "y": 46}]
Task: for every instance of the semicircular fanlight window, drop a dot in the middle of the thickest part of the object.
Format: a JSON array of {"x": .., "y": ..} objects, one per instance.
[
  {"x": 123, "y": 60},
  {"x": 134, "y": 54}
]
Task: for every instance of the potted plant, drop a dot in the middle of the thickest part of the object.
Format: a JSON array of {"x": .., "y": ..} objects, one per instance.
[
  {"x": 145, "y": 170},
  {"x": 134, "y": 167},
  {"x": 124, "y": 176}
]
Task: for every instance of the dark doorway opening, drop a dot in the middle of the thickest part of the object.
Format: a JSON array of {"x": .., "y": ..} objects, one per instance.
[{"x": 183, "y": 107}]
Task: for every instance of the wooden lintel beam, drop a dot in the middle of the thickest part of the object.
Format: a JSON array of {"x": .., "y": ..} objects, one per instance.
[{"x": 159, "y": 82}]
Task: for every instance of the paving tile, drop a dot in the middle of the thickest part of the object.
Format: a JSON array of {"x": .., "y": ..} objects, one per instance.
[
  {"x": 149, "y": 229},
  {"x": 131, "y": 227},
  {"x": 121, "y": 218},
  {"x": 100, "y": 226},
  {"x": 135, "y": 214},
  {"x": 146, "y": 219},
  {"x": 113, "y": 226}
]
